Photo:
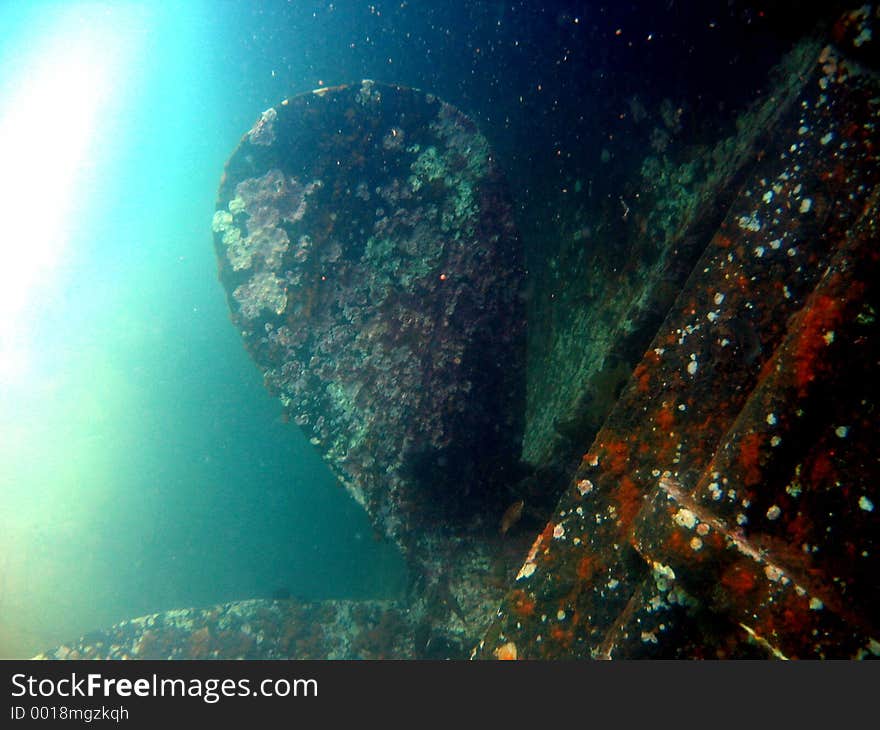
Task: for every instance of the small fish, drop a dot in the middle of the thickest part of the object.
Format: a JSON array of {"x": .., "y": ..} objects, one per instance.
[
  {"x": 511, "y": 516},
  {"x": 446, "y": 597}
]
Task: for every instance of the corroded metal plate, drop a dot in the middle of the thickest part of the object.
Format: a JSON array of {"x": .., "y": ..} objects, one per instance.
[{"x": 372, "y": 267}]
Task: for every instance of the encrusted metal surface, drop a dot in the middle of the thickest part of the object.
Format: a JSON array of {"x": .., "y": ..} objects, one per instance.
[
  {"x": 366, "y": 246},
  {"x": 726, "y": 507},
  {"x": 255, "y": 629}
]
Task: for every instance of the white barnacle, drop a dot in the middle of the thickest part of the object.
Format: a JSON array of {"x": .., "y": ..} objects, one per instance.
[
  {"x": 662, "y": 571},
  {"x": 685, "y": 518}
]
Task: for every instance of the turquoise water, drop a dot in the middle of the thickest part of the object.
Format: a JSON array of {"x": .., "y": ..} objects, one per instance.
[{"x": 143, "y": 466}]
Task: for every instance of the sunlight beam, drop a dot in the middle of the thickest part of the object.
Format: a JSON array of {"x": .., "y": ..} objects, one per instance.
[{"x": 50, "y": 122}]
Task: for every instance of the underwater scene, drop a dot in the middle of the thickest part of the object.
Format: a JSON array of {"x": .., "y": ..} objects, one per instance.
[{"x": 437, "y": 329}]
